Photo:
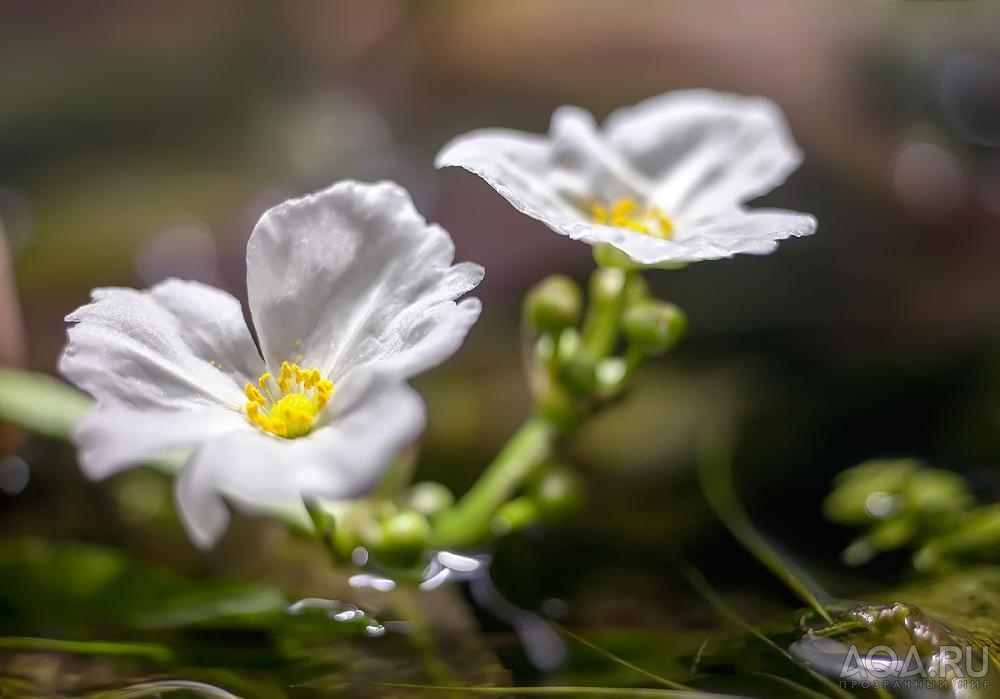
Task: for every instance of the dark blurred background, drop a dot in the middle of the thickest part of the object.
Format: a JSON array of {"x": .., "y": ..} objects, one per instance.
[{"x": 140, "y": 141}]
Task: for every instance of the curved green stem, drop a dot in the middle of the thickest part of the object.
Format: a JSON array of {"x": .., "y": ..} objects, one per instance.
[
  {"x": 469, "y": 520},
  {"x": 714, "y": 470}
]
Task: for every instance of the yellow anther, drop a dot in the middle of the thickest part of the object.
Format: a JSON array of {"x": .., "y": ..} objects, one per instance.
[
  {"x": 285, "y": 377},
  {"x": 625, "y": 213},
  {"x": 312, "y": 378},
  {"x": 303, "y": 393},
  {"x": 253, "y": 395}
]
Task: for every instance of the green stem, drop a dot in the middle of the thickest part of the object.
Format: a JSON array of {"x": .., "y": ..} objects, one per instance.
[
  {"x": 469, "y": 520},
  {"x": 408, "y": 601},
  {"x": 399, "y": 475},
  {"x": 323, "y": 527},
  {"x": 714, "y": 470},
  {"x": 607, "y": 296}
]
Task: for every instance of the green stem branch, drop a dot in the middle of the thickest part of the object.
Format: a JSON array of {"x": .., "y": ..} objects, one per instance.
[{"x": 469, "y": 520}]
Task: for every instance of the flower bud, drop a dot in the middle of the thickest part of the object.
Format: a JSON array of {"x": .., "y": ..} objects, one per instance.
[
  {"x": 553, "y": 304},
  {"x": 606, "y": 284},
  {"x": 654, "y": 325},
  {"x": 514, "y": 515},
  {"x": 558, "y": 492},
  {"x": 428, "y": 498},
  {"x": 404, "y": 535}
]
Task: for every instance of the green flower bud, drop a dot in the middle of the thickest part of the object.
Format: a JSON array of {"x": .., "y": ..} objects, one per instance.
[
  {"x": 892, "y": 533},
  {"x": 558, "y": 492},
  {"x": 404, "y": 535},
  {"x": 606, "y": 284},
  {"x": 578, "y": 376},
  {"x": 428, "y": 498},
  {"x": 555, "y": 303},
  {"x": 654, "y": 325},
  {"x": 514, "y": 516},
  {"x": 933, "y": 492},
  {"x": 356, "y": 529}
]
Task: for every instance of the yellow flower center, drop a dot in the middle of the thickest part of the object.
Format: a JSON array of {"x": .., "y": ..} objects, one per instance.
[
  {"x": 287, "y": 405},
  {"x": 625, "y": 213}
]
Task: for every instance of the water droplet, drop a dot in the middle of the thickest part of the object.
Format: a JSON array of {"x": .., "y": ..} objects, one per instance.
[
  {"x": 14, "y": 474},
  {"x": 374, "y": 582},
  {"x": 882, "y": 505},
  {"x": 359, "y": 556}
]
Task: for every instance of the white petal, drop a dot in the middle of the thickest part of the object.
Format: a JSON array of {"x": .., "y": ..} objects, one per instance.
[
  {"x": 554, "y": 179},
  {"x": 585, "y": 167},
  {"x": 113, "y": 439},
  {"x": 177, "y": 345},
  {"x": 516, "y": 165},
  {"x": 706, "y": 150},
  {"x": 259, "y": 472},
  {"x": 353, "y": 276},
  {"x": 738, "y": 231}
]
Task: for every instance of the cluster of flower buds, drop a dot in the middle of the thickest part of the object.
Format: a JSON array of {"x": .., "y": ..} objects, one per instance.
[{"x": 578, "y": 365}]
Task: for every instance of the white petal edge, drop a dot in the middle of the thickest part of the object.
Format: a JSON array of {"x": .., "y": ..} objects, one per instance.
[
  {"x": 113, "y": 439},
  {"x": 554, "y": 178},
  {"x": 353, "y": 276},
  {"x": 743, "y": 231},
  {"x": 496, "y": 155},
  {"x": 706, "y": 150},
  {"x": 259, "y": 473},
  {"x": 178, "y": 345}
]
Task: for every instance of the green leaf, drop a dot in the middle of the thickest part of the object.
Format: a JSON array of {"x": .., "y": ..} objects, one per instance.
[
  {"x": 80, "y": 588},
  {"x": 41, "y": 403}
]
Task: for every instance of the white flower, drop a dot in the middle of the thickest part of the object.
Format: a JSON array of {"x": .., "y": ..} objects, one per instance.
[
  {"x": 351, "y": 292},
  {"x": 664, "y": 181}
]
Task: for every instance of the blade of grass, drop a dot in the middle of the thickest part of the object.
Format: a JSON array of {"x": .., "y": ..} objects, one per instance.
[
  {"x": 702, "y": 586},
  {"x": 697, "y": 656},
  {"x": 561, "y": 691},
  {"x": 715, "y": 473},
  {"x": 794, "y": 686},
  {"x": 621, "y": 661},
  {"x": 151, "y": 651}
]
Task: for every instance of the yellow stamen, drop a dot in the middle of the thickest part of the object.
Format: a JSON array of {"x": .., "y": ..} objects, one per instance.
[
  {"x": 303, "y": 393},
  {"x": 625, "y": 213}
]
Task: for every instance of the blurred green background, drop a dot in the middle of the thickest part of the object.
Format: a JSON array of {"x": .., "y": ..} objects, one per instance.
[{"x": 140, "y": 141}]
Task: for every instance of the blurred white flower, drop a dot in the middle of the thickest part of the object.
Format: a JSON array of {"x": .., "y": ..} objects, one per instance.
[
  {"x": 351, "y": 292},
  {"x": 663, "y": 181}
]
